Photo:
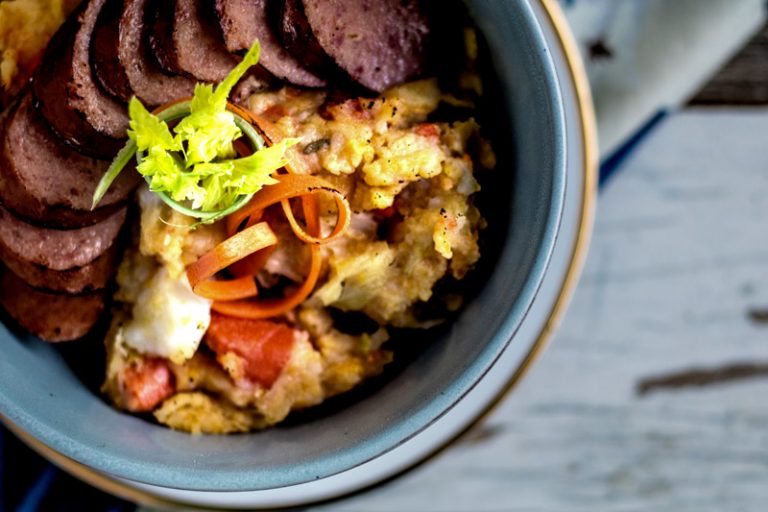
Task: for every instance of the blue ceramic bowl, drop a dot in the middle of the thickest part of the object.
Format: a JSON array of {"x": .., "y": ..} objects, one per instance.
[{"x": 42, "y": 396}]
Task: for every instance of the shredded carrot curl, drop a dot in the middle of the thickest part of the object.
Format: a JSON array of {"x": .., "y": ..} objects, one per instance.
[
  {"x": 251, "y": 240},
  {"x": 230, "y": 251}
]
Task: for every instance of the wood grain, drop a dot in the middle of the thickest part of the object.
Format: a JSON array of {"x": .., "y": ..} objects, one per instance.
[
  {"x": 744, "y": 80},
  {"x": 678, "y": 264}
]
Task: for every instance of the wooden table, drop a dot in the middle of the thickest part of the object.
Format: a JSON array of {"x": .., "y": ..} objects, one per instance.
[{"x": 652, "y": 395}]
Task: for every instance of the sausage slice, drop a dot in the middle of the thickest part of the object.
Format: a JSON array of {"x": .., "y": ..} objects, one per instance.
[
  {"x": 106, "y": 66},
  {"x": 147, "y": 80},
  {"x": 297, "y": 37},
  {"x": 67, "y": 95},
  {"x": 161, "y": 35},
  {"x": 96, "y": 275},
  {"x": 47, "y": 182},
  {"x": 187, "y": 40},
  {"x": 48, "y": 316},
  {"x": 58, "y": 249},
  {"x": 379, "y": 43},
  {"x": 244, "y": 21}
]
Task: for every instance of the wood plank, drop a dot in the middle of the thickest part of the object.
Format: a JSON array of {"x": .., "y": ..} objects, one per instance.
[
  {"x": 743, "y": 81},
  {"x": 677, "y": 270}
]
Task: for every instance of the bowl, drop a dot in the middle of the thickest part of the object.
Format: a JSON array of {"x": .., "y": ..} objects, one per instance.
[{"x": 537, "y": 113}]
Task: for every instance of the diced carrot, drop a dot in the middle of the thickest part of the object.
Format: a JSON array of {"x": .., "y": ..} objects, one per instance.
[
  {"x": 429, "y": 130},
  {"x": 264, "y": 346},
  {"x": 145, "y": 384}
]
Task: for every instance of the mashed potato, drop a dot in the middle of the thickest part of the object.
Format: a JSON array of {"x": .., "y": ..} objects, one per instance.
[
  {"x": 391, "y": 161},
  {"x": 409, "y": 182},
  {"x": 25, "y": 28}
]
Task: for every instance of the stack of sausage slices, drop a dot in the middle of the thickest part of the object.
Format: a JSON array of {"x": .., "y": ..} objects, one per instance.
[{"x": 59, "y": 138}]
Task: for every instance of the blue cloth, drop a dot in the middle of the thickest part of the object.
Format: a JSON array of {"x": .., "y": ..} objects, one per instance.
[{"x": 28, "y": 483}]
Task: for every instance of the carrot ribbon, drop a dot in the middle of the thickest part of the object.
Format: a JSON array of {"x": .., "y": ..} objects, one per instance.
[{"x": 251, "y": 240}]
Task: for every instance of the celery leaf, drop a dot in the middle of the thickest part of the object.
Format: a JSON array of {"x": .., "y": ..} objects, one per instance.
[
  {"x": 148, "y": 131},
  {"x": 196, "y": 162}
]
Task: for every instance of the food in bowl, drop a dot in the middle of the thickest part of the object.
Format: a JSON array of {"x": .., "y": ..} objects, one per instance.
[
  {"x": 25, "y": 28},
  {"x": 241, "y": 295}
]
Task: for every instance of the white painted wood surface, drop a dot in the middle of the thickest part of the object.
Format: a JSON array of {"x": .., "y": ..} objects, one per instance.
[
  {"x": 679, "y": 257},
  {"x": 660, "y": 52}
]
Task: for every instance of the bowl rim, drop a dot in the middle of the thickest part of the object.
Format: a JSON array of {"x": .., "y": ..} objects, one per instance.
[{"x": 532, "y": 284}]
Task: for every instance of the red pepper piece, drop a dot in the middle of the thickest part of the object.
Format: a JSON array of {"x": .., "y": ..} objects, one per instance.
[{"x": 263, "y": 347}]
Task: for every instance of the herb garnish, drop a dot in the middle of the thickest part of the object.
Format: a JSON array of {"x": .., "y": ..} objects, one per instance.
[{"x": 194, "y": 166}]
